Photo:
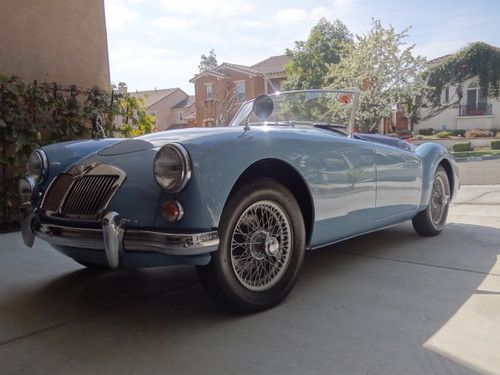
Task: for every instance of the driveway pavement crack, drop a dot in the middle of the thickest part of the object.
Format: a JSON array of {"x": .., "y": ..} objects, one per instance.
[{"x": 420, "y": 263}]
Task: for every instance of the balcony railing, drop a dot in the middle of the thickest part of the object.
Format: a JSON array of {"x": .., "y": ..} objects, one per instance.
[{"x": 482, "y": 109}]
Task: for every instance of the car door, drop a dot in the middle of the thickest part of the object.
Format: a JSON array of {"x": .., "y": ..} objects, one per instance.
[
  {"x": 399, "y": 181},
  {"x": 341, "y": 175}
]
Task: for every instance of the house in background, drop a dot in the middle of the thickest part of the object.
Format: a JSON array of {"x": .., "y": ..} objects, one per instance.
[
  {"x": 474, "y": 110},
  {"x": 184, "y": 113},
  {"x": 163, "y": 106},
  {"x": 219, "y": 92}
]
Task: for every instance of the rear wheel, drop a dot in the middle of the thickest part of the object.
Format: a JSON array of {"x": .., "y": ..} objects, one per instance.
[
  {"x": 432, "y": 220},
  {"x": 262, "y": 240}
]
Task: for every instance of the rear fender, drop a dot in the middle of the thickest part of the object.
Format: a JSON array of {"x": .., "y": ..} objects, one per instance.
[{"x": 433, "y": 155}]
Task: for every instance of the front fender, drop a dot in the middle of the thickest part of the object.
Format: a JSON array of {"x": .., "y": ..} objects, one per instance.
[{"x": 432, "y": 155}]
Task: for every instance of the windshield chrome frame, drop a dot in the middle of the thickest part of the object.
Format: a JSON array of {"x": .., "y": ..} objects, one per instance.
[{"x": 355, "y": 101}]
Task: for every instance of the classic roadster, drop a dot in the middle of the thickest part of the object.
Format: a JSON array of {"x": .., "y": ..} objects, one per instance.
[{"x": 242, "y": 202}]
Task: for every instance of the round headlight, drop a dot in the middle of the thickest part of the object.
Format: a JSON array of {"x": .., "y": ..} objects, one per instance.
[
  {"x": 172, "y": 167},
  {"x": 36, "y": 166}
]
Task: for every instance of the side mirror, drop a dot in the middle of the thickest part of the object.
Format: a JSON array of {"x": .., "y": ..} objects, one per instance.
[{"x": 263, "y": 106}]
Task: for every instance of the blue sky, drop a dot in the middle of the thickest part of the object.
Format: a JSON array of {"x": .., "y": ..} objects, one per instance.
[{"x": 158, "y": 43}]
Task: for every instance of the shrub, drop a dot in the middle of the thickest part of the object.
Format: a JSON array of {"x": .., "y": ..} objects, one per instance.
[
  {"x": 458, "y": 133},
  {"x": 445, "y": 134},
  {"x": 495, "y": 145},
  {"x": 494, "y": 132},
  {"x": 426, "y": 131},
  {"x": 34, "y": 113},
  {"x": 461, "y": 146},
  {"x": 474, "y": 133}
]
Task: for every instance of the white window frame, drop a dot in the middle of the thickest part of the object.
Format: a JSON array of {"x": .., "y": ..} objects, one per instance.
[
  {"x": 240, "y": 97},
  {"x": 180, "y": 116},
  {"x": 209, "y": 95}
]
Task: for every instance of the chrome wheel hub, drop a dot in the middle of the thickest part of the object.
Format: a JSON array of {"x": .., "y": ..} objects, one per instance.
[{"x": 261, "y": 245}]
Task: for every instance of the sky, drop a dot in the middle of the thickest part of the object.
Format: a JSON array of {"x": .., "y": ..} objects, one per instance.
[{"x": 158, "y": 43}]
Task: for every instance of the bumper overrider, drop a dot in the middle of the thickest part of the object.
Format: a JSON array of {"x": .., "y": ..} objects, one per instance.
[{"x": 114, "y": 238}]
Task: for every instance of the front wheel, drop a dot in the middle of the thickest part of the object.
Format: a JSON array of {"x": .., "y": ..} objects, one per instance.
[
  {"x": 432, "y": 220},
  {"x": 262, "y": 241}
]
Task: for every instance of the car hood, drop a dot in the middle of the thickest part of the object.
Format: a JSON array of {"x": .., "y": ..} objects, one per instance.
[{"x": 159, "y": 139}]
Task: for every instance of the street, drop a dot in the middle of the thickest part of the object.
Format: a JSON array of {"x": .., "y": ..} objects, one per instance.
[{"x": 384, "y": 303}]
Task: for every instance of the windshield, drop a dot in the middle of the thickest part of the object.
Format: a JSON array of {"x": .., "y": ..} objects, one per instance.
[{"x": 329, "y": 108}]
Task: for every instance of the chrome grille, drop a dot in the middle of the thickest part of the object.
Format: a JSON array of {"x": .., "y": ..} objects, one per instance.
[
  {"x": 88, "y": 195},
  {"x": 56, "y": 192}
]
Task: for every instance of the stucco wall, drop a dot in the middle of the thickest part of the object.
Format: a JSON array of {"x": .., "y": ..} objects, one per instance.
[
  {"x": 450, "y": 117},
  {"x": 163, "y": 109},
  {"x": 61, "y": 41}
]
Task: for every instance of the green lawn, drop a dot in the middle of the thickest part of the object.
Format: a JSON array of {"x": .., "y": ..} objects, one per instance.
[{"x": 463, "y": 154}]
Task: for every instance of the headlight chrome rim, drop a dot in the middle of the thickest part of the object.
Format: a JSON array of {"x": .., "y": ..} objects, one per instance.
[
  {"x": 44, "y": 165},
  {"x": 185, "y": 163},
  {"x": 26, "y": 187}
]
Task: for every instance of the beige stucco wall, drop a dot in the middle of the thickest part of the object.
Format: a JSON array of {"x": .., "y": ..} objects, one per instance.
[
  {"x": 450, "y": 117},
  {"x": 163, "y": 109},
  {"x": 61, "y": 41}
]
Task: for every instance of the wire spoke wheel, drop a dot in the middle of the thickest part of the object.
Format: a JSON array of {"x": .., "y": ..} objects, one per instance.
[
  {"x": 439, "y": 200},
  {"x": 261, "y": 245}
]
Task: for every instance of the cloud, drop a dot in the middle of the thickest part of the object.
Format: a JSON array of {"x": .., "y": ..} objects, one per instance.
[
  {"x": 342, "y": 3},
  {"x": 144, "y": 68},
  {"x": 208, "y": 8},
  {"x": 252, "y": 24},
  {"x": 174, "y": 23},
  {"x": 289, "y": 16},
  {"x": 118, "y": 14}
]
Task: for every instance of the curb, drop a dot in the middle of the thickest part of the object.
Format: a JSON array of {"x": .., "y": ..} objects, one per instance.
[{"x": 477, "y": 158}]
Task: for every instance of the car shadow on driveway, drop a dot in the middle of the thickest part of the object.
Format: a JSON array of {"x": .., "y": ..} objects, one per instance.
[{"x": 385, "y": 302}]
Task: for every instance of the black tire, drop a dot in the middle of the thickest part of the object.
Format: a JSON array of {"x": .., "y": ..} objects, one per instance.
[
  {"x": 424, "y": 222},
  {"x": 223, "y": 278}
]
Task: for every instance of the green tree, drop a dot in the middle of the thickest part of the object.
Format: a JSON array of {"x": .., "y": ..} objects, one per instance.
[
  {"x": 384, "y": 68},
  {"x": 208, "y": 62},
  {"x": 309, "y": 60}
]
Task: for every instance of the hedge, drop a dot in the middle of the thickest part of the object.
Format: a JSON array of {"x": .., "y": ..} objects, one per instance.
[
  {"x": 462, "y": 146},
  {"x": 495, "y": 145}
]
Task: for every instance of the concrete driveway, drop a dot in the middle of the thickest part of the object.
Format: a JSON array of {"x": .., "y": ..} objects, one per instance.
[{"x": 389, "y": 302}]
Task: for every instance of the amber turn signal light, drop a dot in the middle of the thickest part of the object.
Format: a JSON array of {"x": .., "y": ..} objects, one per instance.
[{"x": 172, "y": 211}]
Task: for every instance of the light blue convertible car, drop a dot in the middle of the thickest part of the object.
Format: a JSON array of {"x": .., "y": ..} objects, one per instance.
[{"x": 242, "y": 202}]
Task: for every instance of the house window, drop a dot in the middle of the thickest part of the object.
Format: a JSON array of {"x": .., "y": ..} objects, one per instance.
[
  {"x": 446, "y": 94},
  {"x": 476, "y": 101},
  {"x": 241, "y": 93},
  {"x": 180, "y": 116},
  {"x": 209, "y": 91}
]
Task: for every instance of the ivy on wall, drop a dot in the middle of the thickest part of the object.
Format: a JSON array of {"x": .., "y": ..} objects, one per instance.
[
  {"x": 477, "y": 60},
  {"x": 34, "y": 114}
]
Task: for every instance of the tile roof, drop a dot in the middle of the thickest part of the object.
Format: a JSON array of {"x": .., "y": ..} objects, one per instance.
[
  {"x": 273, "y": 64},
  {"x": 245, "y": 68},
  {"x": 212, "y": 72},
  {"x": 185, "y": 103},
  {"x": 152, "y": 96}
]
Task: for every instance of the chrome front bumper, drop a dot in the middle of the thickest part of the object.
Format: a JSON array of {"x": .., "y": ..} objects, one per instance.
[{"x": 115, "y": 239}]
